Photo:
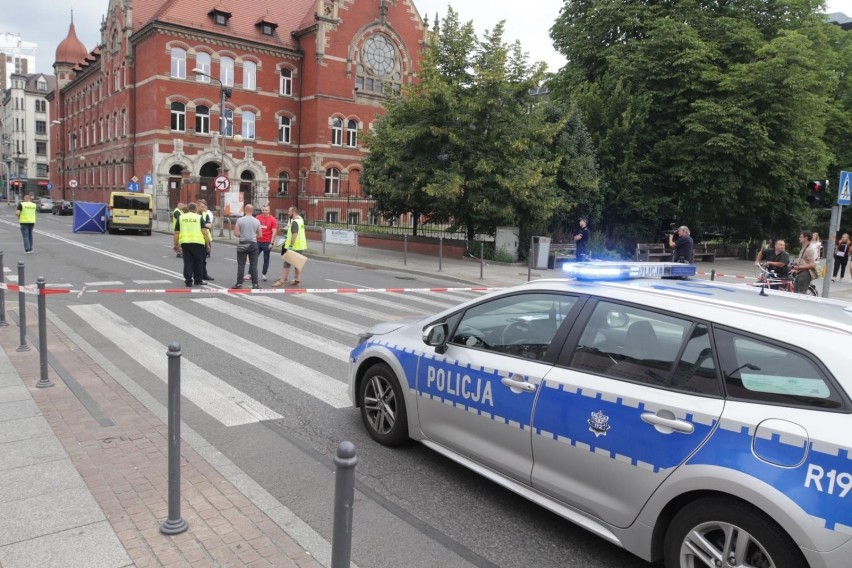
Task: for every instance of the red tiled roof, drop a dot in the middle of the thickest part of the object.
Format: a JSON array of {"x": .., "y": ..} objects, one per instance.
[
  {"x": 245, "y": 14},
  {"x": 71, "y": 49}
]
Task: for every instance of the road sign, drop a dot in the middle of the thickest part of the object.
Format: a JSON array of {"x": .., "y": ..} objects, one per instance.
[
  {"x": 149, "y": 180},
  {"x": 222, "y": 183},
  {"x": 134, "y": 179},
  {"x": 72, "y": 183},
  {"x": 49, "y": 186},
  {"x": 132, "y": 186},
  {"x": 844, "y": 191}
]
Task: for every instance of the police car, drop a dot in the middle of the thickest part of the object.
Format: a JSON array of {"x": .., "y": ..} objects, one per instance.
[{"x": 691, "y": 422}]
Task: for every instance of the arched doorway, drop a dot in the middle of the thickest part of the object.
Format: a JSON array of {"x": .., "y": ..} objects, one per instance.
[
  {"x": 175, "y": 185},
  {"x": 207, "y": 174},
  {"x": 247, "y": 187}
]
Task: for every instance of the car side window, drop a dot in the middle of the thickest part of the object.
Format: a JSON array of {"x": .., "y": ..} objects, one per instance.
[
  {"x": 764, "y": 371},
  {"x": 696, "y": 369},
  {"x": 521, "y": 325},
  {"x": 629, "y": 343}
]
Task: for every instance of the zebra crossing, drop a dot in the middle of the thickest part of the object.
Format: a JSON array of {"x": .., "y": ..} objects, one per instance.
[{"x": 301, "y": 342}]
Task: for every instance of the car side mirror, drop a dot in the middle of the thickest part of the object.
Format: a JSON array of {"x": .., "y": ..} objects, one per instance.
[{"x": 436, "y": 336}]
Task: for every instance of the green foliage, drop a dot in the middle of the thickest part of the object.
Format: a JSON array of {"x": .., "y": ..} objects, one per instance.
[{"x": 711, "y": 114}]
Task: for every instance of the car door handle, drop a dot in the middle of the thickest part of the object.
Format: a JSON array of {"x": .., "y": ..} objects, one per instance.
[
  {"x": 515, "y": 384},
  {"x": 666, "y": 425}
]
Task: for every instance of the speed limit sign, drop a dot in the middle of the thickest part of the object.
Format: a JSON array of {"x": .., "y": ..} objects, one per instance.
[
  {"x": 222, "y": 183},
  {"x": 72, "y": 183}
]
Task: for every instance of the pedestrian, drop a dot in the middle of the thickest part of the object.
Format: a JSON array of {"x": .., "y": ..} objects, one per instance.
[
  {"x": 268, "y": 230},
  {"x": 247, "y": 230},
  {"x": 682, "y": 246},
  {"x": 804, "y": 267},
  {"x": 207, "y": 223},
  {"x": 26, "y": 212},
  {"x": 296, "y": 241},
  {"x": 816, "y": 245},
  {"x": 193, "y": 240},
  {"x": 582, "y": 240},
  {"x": 775, "y": 258},
  {"x": 178, "y": 210},
  {"x": 841, "y": 257}
]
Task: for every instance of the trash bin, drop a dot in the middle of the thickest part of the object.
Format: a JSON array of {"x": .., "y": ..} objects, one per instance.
[{"x": 540, "y": 252}]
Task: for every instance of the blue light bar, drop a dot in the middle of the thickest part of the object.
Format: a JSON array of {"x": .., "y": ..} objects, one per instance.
[{"x": 610, "y": 271}]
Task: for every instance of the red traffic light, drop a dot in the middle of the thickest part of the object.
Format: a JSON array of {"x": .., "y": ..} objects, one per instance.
[
  {"x": 818, "y": 185},
  {"x": 818, "y": 190}
]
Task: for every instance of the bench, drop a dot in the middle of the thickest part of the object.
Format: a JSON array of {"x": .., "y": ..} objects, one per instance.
[
  {"x": 561, "y": 253},
  {"x": 702, "y": 253},
  {"x": 653, "y": 252}
]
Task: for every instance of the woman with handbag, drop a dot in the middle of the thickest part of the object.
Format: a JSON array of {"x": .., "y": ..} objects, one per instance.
[
  {"x": 296, "y": 242},
  {"x": 841, "y": 257}
]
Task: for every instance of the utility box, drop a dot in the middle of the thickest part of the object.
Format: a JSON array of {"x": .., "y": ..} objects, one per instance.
[
  {"x": 506, "y": 239},
  {"x": 540, "y": 252}
]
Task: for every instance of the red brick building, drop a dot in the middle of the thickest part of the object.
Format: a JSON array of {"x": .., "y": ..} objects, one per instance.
[{"x": 303, "y": 80}]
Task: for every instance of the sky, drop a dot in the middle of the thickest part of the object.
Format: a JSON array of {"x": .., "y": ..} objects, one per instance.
[{"x": 45, "y": 23}]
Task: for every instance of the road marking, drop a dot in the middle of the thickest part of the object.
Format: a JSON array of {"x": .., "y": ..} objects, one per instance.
[
  {"x": 311, "y": 382},
  {"x": 152, "y": 281},
  {"x": 217, "y": 398},
  {"x": 312, "y": 316},
  {"x": 377, "y": 315},
  {"x": 104, "y": 283}
]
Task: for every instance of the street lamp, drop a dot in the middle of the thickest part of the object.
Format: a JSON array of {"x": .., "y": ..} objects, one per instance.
[{"x": 224, "y": 94}]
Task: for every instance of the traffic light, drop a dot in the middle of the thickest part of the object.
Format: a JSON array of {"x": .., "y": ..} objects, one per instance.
[{"x": 819, "y": 189}]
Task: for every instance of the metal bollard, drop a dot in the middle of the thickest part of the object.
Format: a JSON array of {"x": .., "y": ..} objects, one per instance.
[
  {"x": 712, "y": 274},
  {"x": 529, "y": 265},
  {"x": 440, "y": 252},
  {"x": 43, "y": 381},
  {"x": 481, "y": 261},
  {"x": 405, "y": 249},
  {"x": 174, "y": 524},
  {"x": 344, "y": 501},
  {"x": 3, "y": 322},
  {"x": 22, "y": 308}
]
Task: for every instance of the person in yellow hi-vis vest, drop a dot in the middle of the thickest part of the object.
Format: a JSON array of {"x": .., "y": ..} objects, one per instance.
[
  {"x": 296, "y": 241},
  {"x": 26, "y": 213},
  {"x": 193, "y": 239}
]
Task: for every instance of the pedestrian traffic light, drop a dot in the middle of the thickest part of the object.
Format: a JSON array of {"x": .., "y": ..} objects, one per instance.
[{"x": 818, "y": 188}]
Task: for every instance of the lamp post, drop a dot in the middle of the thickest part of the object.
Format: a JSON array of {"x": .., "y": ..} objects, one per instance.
[{"x": 224, "y": 94}]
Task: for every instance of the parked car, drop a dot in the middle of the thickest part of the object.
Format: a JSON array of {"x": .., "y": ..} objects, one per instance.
[
  {"x": 63, "y": 208},
  {"x": 44, "y": 205}
]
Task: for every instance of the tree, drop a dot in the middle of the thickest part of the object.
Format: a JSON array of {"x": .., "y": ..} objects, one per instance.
[{"x": 711, "y": 114}]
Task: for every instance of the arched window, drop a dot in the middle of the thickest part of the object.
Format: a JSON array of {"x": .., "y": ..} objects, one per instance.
[
  {"x": 249, "y": 75},
  {"x": 336, "y": 132},
  {"x": 283, "y": 183},
  {"x": 379, "y": 66},
  {"x": 226, "y": 71},
  {"x": 178, "y": 117},
  {"x": 248, "y": 125},
  {"x": 352, "y": 133},
  {"x": 284, "y": 125},
  {"x": 178, "y": 63},
  {"x": 202, "y": 62},
  {"x": 332, "y": 181},
  {"x": 202, "y": 119},
  {"x": 286, "y": 87},
  {"x": 229, "y": 122}
]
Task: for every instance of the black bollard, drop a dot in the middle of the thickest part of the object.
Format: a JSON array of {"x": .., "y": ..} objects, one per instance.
[
  {"x": 43, "y": 381},
  {"x": 22, "y": 308},
  {"x": 405, "y": 249},
  {"x": 3, "y": 322},
  {"x": 712, "y": 274},
  {"x": 344, "y": 502},
  {"x": 440, "y": 252},
  {"x": 481, "y": 261},
  {"x": 174, "y": 524}
]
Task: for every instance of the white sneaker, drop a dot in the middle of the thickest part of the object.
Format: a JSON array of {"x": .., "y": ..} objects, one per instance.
[{"x": 263, "y": 277}]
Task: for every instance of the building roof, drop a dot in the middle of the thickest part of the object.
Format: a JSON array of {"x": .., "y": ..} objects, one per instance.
[{"x": 71, "y": 49}]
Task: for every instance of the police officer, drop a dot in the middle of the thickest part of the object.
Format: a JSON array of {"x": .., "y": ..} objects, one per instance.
[
  {"x": 26, "y": 212},
  {"x": 193, "y": 240},
  {"x": 181, "y": 208}
]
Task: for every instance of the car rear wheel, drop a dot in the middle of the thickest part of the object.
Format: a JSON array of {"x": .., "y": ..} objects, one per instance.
[
  {"x": 383, "y": 406},
  {"x": 727, "y": 533}
]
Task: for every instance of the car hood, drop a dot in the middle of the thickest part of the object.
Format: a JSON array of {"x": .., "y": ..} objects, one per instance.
[{"x": 389, "y": 326}]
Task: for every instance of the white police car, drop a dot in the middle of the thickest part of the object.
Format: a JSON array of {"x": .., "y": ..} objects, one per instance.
[{"x": 693, "y": 422}]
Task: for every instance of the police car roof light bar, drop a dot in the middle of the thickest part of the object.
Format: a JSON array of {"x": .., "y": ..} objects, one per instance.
[{"x": 614, "y": 271}]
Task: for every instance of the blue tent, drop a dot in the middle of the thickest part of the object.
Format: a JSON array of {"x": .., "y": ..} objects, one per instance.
[{"x": 89, "y": 217}]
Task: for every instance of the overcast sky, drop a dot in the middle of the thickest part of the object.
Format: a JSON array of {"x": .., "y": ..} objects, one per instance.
[{"x": 46, "y": 23}]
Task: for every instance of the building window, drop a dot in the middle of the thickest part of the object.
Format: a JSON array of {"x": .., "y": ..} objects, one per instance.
[
  {"x": 178, "y": 117},
  {"x": 124, "y": 123},
  {"x": 332, "y": 181},
  {"x": 178, "y": 63},
  {"x": 41, "y": 85},
  {"x": 229, "y": 122},
  {"x": 202, "y": 119},
  {"x": 378, "y": 66},
  {"x": 354, "y": 218},
  {"x": 286, "y": 87},
  {"x": 41, "y": 148},
  {"x": 117, "y": 76},
  {"x": 283, "y": 183},
  {"x": 331, "y": 216},
  {"x": 42, "y": 170},
  {"x": 226, "y": 71},
  {"x": 336, "y": 132},
  {"x": 202, "y": 62},
  {"x": 352, "y": 133},
  {"x": 267, "y": 29},
  {"x": 40, "y": 127},
  {"x": 41, "y": 106},
  {"x": 284, "y": 126},
  {"x": 220, "y": 17},
  {"x": 249, "y": 75},
  {"x": 248, "y": 125}
]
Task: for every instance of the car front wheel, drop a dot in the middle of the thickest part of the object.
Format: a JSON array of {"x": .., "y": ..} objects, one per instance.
[
  {"x": 383, "y": 406},
  {"x": 712, "y": 532}
]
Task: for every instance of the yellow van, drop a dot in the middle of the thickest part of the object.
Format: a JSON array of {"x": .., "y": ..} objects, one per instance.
[{"x": 130, "y": 211}]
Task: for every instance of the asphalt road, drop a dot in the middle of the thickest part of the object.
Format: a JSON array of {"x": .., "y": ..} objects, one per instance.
[{"x": 264, "y": 382}]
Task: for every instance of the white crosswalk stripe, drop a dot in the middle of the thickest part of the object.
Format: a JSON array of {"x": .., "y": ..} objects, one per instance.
[
  {"x": 312, "y": 316},
  {"x": 223, "y": 402},
  {"x": 340, "y": 305},
  {"x": 310, "y": 381}
]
